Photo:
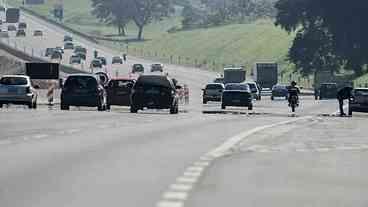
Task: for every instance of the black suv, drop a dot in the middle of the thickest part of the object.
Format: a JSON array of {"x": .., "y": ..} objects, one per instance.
[
  {"x": 83, "y": 90},
  {"x": 154, "y": 92},
  {"x": 138, "y": 68}
]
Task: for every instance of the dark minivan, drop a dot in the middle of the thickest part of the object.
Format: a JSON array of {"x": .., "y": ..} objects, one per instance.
[
  {"x": 154, "y": 92},
  {"x": 119, "y": 91},
  {"x": 83, "y": 90}
]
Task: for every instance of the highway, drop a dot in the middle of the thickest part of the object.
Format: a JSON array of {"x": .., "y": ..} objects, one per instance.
[{"x": 204, "y": 156}]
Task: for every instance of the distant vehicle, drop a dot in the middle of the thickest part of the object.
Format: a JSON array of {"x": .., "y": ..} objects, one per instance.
[
  {"x": 219, "y": 80},
  {"x": 359, "y": 101},
  {"x": 213, "y": 92},
  {"x": 80, "y": 49},
  {"x": 96, "y": 63},
  {"x": 119, "y": 91},
  {"x": 279, "y": 91},
  {"x": 49, "y": 51},
  {"x": 2, "y": 9},
  {"x": 75, "y": 59},
  {"x": 266, "y": 74},
  {"x": 68, "y": 46},
  {"x": 4, "y": 34},
  {"x": 22, "y": 25},
  {"x": 60, "y": 49},
  {"x": 117, "y": 60},
  {"x": 21, "y": 33},
  {"x": 37, "y": 33},
  {"x": 234, "y": 75},
  {"x": 237, "y": 94},
  {"x": 158, "y": 67},
  {"x": 154, "y": 92},
  {"x": 17, "y": 89},
  {"x": 12, "y": 28},
  {"x": 81, "y": 55},
  {"x": 56, "y": 55},
  {"x": 326, "y": 91},
  {"x": 12, "y": 15},
  {"x": 254, "y": 89},
  {"x": 103, "y": 60},
  {"x": 83, "y": 90},
  {"x": 68, "y": 38},
  {"x": 138, "y": 68}
]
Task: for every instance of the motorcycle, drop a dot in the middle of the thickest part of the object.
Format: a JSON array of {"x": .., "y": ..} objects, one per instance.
[{"x": 293, "y": 102}]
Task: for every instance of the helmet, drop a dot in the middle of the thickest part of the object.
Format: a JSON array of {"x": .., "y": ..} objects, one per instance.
[{"x": 293, "y": 83}]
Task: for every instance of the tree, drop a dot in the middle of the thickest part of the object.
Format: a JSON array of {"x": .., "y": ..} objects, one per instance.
[
  {"x": 340, "y": 25},
  {"x": 144, "y": 11}
]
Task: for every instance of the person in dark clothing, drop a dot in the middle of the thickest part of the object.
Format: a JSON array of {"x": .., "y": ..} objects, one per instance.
[
  {"x": 125, "y": 57},
  {"x": 343, "y": 94},
  {"x": 293, "y": 91}
]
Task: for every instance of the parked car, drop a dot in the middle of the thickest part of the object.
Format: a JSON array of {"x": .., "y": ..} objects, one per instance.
[
  {"x": 119, "y": 91},
  {"x": 237, "y": 94},
  {"x": 22, "y": 26},
  {"x": 37, "y": 33},
  {"x": 49, "y": 51},
  {"x": 80, "y": 49},
  {"x": 138, "y": 68},
  {"x": 4, "y": 34},
  {"x": 68, "y": 38},
  {"x": 279, "y": 91},
  {"x": 83, "y": 90},
  {"x": 154, "y": 92},
  {"x": 68, "y": 46},
  {"x": 17, "y": 89},
  {"x": 117, "y": 60},
  {"x": 12, "y": 28},
  {"x": 254, "y": 89},
  {"x": 96, "y": 63},
  {"x": 213, "y": 92},
  {"x": 359, "y": 101},
  {"x": 75, "y": 59},
  {"x": 158, "y": 67},
  {"x": 103, "y": 60},
  {"x": 20, "y": 33},
  {"x": 56, "y": 55},
  {"x": 326, "y": 91}
]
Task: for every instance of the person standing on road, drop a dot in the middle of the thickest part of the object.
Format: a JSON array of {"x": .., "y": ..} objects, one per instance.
[
  {"x": 343, "y": 94},
  {"x": 125, "y": 57}
]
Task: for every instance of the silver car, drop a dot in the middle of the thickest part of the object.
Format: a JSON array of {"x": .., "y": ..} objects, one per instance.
[{"x": 17, "y": 89}]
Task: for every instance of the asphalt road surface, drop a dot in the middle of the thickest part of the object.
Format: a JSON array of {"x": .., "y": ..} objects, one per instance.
[{"x": 204, "y": 156}]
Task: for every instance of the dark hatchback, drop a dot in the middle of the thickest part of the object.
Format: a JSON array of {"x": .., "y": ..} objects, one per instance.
[
  {"x": 279, "y": 91},
  {"x": 119, "y": 91},
  {"x": 237, "y": 94},
  {"x": 359, "y": 101},
  {"x": 154, "y": 92},
  {"x": 83, "y": 90}
]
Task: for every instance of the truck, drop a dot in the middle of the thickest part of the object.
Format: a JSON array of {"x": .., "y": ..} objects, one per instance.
[
  {"x": 234, "y": 75},
  {"x": 265, "y": 74},
  {"x": 12, "y": 15}
]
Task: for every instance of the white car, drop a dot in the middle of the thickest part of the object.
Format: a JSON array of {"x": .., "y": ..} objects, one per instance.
[
  {"x": 254, "y": 89},
  {"x": 17, "y": 89}
]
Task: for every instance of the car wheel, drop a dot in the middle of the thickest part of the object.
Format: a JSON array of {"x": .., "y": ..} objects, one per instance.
[
  {"x": 250, "y": 107},
  {"x": 316, "y": 98},
  {"x": 64, "y": 107},
  {"x": 259, "y": 98},
  {"x": 204, "y": 101},
  {"x": 223, "y": 106},
  {"x": 30, "y": 105},
  {"x": 35, "y": 105},
  {"x": 133, "y": 109},
  {"x": 173, "y": 109},
  {"x": 272, "y": 98}
]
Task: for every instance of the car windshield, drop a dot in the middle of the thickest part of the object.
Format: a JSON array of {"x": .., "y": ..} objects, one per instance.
[
  {"x": 151, "y": 81},
  {"x": 329, "y": 86},
  {"x": 237, "y": 87},
  {"x": 80, "y": 82},
  {"x": 253, "y": 87},
  {"x": 214, "y": 86},
  {"x": 120, "y": 83},
  {"x": 13, "y": 81},
  {"x": 361, "y": 92},
  {"x": 279, "y": 87}
]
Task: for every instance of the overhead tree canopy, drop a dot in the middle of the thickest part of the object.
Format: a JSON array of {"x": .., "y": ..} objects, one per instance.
[{"x": 332, "y": 33}]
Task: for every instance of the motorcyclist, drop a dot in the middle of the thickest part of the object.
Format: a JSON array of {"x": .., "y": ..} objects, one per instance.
[{"x": 293, "y": 91}]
